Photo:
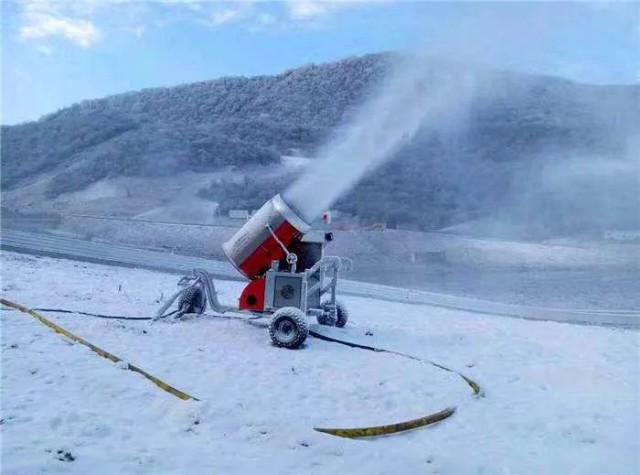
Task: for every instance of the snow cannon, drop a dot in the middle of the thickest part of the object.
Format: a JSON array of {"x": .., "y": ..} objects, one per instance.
[
  {"x": 289, "y": 275},
  {"x": 264, "y": 238}
]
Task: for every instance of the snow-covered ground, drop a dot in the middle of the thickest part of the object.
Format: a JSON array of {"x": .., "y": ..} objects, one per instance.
[{"x": 558, "y": 398}]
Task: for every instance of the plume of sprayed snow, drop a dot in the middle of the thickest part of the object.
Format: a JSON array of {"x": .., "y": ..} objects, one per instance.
[
  {"x": 574, "y": 195},
  {"x": 416, "y": 96},
  {"x": 422, "y": 95}
]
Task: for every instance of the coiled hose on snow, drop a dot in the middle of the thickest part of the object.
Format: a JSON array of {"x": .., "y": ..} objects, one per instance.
[{"x": 197, "y": 291}]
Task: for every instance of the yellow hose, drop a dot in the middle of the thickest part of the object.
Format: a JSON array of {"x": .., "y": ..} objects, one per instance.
[
  {"x": 105, "y": 354},
  {"x": 377, "y": 431}
]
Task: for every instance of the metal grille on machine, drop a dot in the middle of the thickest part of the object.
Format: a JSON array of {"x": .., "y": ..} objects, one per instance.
[{"x": 287, "y": 291}]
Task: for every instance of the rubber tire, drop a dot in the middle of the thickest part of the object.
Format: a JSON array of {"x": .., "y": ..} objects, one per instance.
[
  {"x": 342, "y": 314},
  {"x": 297, "y": 319},
  {"x": 326, "y": 320}
]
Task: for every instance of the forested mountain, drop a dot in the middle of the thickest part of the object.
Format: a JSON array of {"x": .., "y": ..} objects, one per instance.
[
  {"x": 243, "y": 121},
  {"x": 228, "y": 121}
]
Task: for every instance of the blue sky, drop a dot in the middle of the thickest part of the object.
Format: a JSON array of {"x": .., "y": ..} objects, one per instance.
[{"x": 57, "y": 52}]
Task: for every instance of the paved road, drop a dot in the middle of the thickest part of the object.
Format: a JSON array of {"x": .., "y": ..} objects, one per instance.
[{"x": 65, "y": 247}]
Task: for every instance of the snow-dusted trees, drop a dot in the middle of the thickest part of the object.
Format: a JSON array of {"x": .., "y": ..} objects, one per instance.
[{"x": 196, "y": 126}]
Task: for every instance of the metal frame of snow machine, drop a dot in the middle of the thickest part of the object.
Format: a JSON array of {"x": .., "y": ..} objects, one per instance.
[{"x": 299, "y": 282}]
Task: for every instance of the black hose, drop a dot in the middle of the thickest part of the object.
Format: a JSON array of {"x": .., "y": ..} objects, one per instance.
[
  {"x": 98, "y": 315},
  {"x": 119, "y": 317}
]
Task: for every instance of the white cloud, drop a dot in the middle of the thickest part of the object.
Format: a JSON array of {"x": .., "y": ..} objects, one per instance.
[
  {"x": 84, "y": 22},
  {"x": 81, "y": 32},
  {"x": 46, "y": 50},
  {"x": 48, "y": 19},
  {"x": 228, "y": 15},
  {"x": 305, "y": 9},
  {"x": 195, "y": 5},
  {"x": 233, "y": 12},
  {"x": 308, "y": 10}
]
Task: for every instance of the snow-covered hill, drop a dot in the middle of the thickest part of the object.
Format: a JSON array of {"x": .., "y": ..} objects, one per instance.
[{"x": 559, "y": 398}]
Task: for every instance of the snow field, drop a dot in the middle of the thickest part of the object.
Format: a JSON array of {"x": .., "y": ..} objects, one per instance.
[{"x": 558, "y": 398}]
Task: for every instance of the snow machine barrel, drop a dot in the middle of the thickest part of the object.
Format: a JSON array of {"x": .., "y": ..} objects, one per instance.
[{"x": 261, "y": 240}]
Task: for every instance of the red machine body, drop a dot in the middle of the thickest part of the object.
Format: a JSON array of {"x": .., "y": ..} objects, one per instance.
[
  {"x": 260, "y": 242},
  {"x": 269, "y": 250},
  {"x": 252, "y": 297}
]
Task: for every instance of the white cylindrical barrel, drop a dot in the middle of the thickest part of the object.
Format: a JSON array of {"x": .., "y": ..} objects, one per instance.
[{"x": 252, "y": 249}]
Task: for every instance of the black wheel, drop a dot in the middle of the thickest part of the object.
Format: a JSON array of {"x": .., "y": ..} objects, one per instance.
[
  {"x": 288, "y": 328},
  {"x": 342, "y": 315},
  {"x": 328, "y": 317},
  {"x": 339, "y": 319}
]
